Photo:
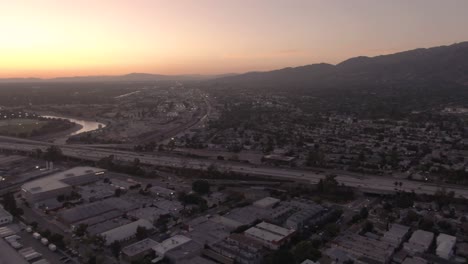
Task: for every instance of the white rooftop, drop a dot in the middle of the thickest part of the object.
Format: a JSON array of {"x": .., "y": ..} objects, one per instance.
[
  {"x": 125, "y": 231},
  {"x": 275, "y": 229},
  {"x": 266, "y": 202},
  {"x": 170, "y": 243},
  {"x": 54, "y": 181},
  {"x": 422, "y": 237},
  {"x": 263, "y": 234}
]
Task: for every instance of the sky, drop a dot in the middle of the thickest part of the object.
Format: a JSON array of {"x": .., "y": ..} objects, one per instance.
[{"x": 53, "y": 38}]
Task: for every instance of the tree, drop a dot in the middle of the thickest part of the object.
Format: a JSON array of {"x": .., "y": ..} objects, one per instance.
[
  {"x": 115, "y": 248},
  {"x": 332, "y": 229},
  {"x": 92, "y": 260},
  {"x": 98, "y": 241},
  {"x": 368, "y": 227},
  {"x": 81, "y": 230},
  {"x": 280, "y": 256},
  {"x": 117, "y": 192},
  {"x": 57, "y": 239},
  {"x": 201, "y": 186},
  {"x": 9, "y": 204},
  {"x": 53, "y": 153},
  {"x": 320, "y": 187},
  {"x": 141, "y": 233},
  {"x": 364, "y": 213},
  {"x": 305, "y": 250}
]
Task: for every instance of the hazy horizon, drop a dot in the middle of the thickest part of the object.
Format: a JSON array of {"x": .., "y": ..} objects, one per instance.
[{"x": 66, "y": 38}]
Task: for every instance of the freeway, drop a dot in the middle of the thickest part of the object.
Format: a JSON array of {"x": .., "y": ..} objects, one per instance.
[{"x": 366, "y": 183}]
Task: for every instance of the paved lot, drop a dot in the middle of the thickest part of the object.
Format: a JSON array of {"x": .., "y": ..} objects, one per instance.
[{"x": 8, "y": 255}]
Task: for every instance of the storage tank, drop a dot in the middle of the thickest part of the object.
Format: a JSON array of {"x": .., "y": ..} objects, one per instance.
[
  {"x": 36, "y": 235},
  {"x": 29, "y": 229},
  {"x": 52, "y": 247},
  {"x": 44, "y": 241}
]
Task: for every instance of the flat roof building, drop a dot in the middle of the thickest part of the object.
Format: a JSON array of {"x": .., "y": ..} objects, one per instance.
[
  {"x": 445, "y": 245},
  {"x": 183, "y": 252},
  {"x": 419, "y": 242},
  {"x": 60, "y": 183},
  {"x": 271, "y": 236},
  {"x": 125, "y": 232},
  {"x": 366, "y": 249},
  {"x": 396, "y": 234},
  {"x": 169, "y": 244},
  {"x": 139, "y": 249},
  {"x": 267, "y": 202}
]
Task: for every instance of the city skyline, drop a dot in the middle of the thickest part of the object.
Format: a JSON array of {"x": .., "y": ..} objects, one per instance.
[{"x": 65, "y": 38}]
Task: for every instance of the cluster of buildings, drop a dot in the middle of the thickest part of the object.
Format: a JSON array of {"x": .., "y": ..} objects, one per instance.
[{"x": 399, "y": 244}]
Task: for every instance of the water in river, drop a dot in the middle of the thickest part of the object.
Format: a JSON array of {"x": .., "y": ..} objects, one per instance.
[{"x": 86, "y": 126}]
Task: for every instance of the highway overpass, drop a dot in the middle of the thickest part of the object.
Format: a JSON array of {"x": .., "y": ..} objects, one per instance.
[{"x": 366, "y": 183}]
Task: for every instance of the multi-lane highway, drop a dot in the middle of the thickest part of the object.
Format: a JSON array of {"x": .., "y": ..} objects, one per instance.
[{"x": 367, "y": 183}]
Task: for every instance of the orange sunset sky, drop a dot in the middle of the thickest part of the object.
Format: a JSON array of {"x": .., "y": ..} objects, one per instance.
[{"x": 51, "y": 38}]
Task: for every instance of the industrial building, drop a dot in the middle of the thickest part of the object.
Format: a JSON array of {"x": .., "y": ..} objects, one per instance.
[
  {"x": 60, "y": 183},
  {"x": 125, "y": 232},
  {"x": 184, "y": 252},
  {"x": 267, "y": 202},
  {"x": 298, "y": 219},
  {"x": 97, "y": 212},
  {"x": 238, "y": 248},
  {"x": 271, "y": 236},
  {"x": 419, "y": 242},
  {"x": 5, "y": 216},
  {"x": 365, "y": 249},
  {"x": 162, "y": 192},
  {"x": 396, "y": 234},
  {"x": 445, "y": 245},
  {"x": 139, "y": 249},
  {"x": 171, "y": 243}
]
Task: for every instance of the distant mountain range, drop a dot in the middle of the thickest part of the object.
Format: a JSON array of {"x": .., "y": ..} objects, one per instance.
[
  {"x": 132, "y": 77},
  {"x": 445, "y": 63}
]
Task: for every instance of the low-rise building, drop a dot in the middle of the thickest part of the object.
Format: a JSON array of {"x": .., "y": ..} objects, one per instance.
[
  {"x": 419, "y": 242},
  {"x": 445, "y": 245},
  {"x": 125, "y": 232},
  {"x": 299, "y": 219},
  {"x": 171, "y": 243},
  {"x": 396, "y": 234},
  {"x": 267, "y": 202},
  {"x": 271, "y": 236},
  {"x": 139, "y": 249},
  {"x": 240, "y": 249},
  {"x": 162, "y": 192},
  {"x": 365, "y": 249},
  {"x": 186, "y": 251},
  {"x": 60, "y": 183}
]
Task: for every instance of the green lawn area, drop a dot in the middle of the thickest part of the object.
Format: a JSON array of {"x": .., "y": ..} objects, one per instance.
[{"x": 15, "y": 127}]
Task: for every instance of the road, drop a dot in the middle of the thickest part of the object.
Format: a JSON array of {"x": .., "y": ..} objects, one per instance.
[{"x": 366, "y": 183}]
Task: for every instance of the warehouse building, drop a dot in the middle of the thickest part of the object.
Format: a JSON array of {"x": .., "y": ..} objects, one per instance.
[
  {"x": 365, "y": 249},
  {"x": 445, "y": 245},
  {"x": 396, "y": 235},
  {"x": 419, "y": 242},
  {"x": 60, "y": 183},
  {"x": 139, "y": 249},
  {"x": 271, "y": 236},
  {"x": 125, "y": 232},
  {"x": 97, "y": 212}
]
